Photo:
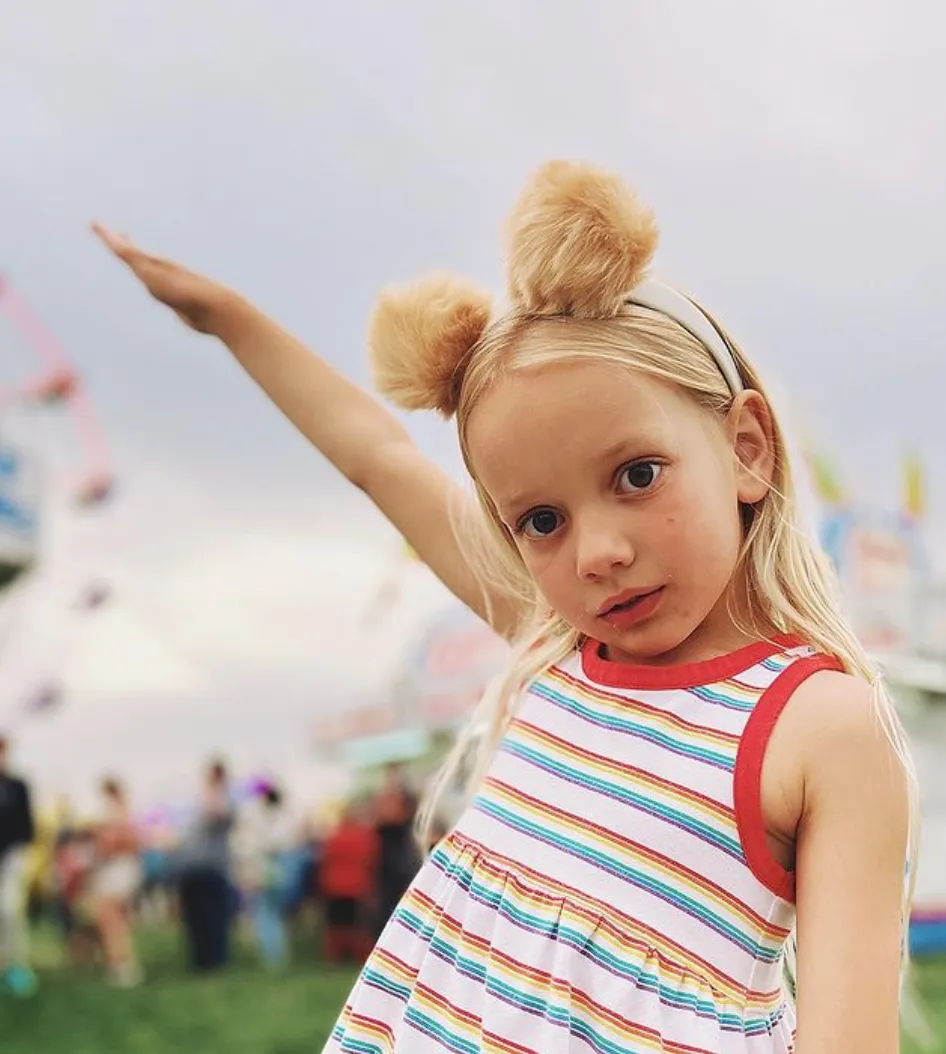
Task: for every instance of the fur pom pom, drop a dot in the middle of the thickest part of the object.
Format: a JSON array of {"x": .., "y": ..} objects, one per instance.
[
  {"x": 419, "y": 334},
  {"x": 577, "y": 241}
]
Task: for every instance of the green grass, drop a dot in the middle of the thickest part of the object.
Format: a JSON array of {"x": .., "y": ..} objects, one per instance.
[
  {"x": 244, "y": 1011},
  {"x": 931, "y": 985}
]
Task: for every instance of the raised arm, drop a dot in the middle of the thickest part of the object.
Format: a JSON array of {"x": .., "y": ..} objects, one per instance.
[{"x": 365, "y": 442}]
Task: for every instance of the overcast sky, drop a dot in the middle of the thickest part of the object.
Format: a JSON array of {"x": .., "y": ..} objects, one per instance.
[{"x": 795, "y": 155}]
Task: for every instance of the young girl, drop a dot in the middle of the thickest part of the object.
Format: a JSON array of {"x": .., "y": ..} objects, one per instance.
[{"x": 688, "y": 760}]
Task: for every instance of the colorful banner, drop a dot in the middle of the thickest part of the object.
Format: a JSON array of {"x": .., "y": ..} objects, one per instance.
[
  {"x": 882, "y": 568},
  {"x": 441, "y": 681},
  {"x": 447, "y": 672}
]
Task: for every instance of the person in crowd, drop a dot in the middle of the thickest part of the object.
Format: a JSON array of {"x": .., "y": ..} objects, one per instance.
[
  {"x": 204, "y": 874},
  {"x": 73, "y": 868},
  {"x": 395, "y": 808},
  {"x": 348, "y": 874},
  {"x": 114, "y": 885},
  {"x": 264, "y": 842},
  {"x": 17, "y": 832}
]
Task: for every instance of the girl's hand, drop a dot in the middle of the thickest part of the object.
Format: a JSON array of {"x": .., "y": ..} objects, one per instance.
[{"x": 197, "y": 300}]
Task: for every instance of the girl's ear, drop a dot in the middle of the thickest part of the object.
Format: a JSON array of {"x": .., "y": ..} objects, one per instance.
[{"x": 751, "y": 432}]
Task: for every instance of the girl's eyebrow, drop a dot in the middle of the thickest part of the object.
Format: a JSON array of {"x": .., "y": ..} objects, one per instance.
[
  {"x": 636, "y": 445},
  {"x": 523, "y": 499}
]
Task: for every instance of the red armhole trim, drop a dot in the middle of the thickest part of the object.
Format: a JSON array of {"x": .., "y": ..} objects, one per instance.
[{"x": 747, "y": 790}]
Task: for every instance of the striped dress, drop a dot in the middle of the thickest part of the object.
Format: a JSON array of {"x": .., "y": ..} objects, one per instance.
[{"x": 610, "y": 888}]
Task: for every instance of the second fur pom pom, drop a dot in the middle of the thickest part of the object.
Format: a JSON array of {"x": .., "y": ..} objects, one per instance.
[{"x": 577, "y": 241}]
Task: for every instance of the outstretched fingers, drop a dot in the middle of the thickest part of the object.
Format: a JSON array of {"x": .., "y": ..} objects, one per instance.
[
  {"x": 125, "y": 249},
  {"x": 168, "y": 282},
  {"x": 120, "y": 244}
]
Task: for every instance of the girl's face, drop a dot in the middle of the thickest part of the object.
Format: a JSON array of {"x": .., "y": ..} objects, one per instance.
[{"x": 623, "y": 498}]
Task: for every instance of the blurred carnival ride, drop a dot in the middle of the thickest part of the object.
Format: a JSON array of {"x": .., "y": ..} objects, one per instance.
[{"x": 37, "y": 378}]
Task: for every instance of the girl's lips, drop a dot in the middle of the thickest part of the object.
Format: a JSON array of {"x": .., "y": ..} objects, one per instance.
[
  {"x": 638, "y": 606},
  {"x": 620, "y": 599}
]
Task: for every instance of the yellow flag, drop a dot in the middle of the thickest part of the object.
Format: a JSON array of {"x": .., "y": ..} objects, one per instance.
[
  {"x": 914, "y": 491},
  {"x": 825, "y": 479}
]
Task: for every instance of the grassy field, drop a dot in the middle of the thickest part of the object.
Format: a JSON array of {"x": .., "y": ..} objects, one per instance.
[{"x": 243, "y": 1011}]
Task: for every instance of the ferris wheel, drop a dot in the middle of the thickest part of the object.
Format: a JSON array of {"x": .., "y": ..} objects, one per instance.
[{"x": 38, "y": 380}]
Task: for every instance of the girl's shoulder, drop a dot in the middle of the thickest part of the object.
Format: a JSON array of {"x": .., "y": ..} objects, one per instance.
[
  {"x": 839, "y": 734},
  {"x": 833, "y": 710}
]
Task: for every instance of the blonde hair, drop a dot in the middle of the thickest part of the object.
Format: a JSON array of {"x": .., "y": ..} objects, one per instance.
[{"x": 577, "y": 243}]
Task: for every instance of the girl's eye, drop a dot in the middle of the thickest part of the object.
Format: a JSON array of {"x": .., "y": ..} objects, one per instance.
[
  {"x": 641, "y": 475},
  {"x": 539, "y": 524}
]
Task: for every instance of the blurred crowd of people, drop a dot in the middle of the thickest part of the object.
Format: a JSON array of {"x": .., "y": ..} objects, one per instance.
[{"x": 246, "y": 862}]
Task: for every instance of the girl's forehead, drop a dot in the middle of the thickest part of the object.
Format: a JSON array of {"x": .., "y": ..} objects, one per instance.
[
  {"x": 538, "y": 420},
  {"x": 567, "y": 400}
]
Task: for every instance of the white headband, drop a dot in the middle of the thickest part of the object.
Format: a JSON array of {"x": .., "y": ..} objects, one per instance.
[{"x": 662, "y": 298}]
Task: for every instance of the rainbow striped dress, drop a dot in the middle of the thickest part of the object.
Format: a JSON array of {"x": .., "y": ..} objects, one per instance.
[{"x": 610, "y": 888}]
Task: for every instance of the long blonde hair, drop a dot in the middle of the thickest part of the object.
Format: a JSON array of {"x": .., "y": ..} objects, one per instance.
[{"x": 577, "y": 242}]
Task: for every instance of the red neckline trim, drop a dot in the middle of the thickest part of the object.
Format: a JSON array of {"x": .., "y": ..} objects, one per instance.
[{"x": 687, "y": 675}]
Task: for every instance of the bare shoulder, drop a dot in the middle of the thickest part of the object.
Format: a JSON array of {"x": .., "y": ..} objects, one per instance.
[
  {"x": 842, "y": 737},
  {"x": 830, "y": 741},
  {"x": 826, "y": 707},
  {"x": 833, "y": 700},
  {"x": 831, "y": 706}
]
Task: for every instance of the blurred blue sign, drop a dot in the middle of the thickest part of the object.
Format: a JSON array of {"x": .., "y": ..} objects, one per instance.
[
  {"x": 399, "y": 745},
  {"x": 19, "y": 506}
]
